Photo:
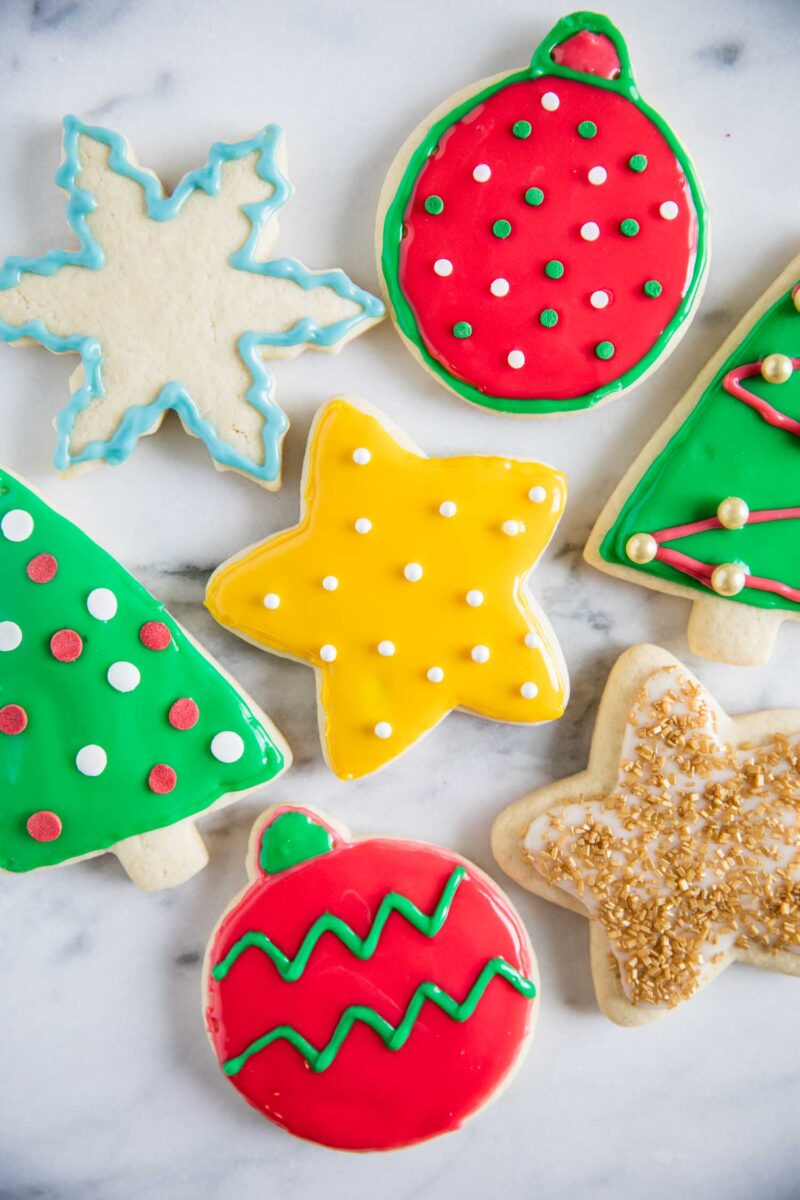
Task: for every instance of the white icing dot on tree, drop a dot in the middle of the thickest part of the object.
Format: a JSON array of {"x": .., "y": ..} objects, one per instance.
[
  {"x": 590, "y": 231},
  {"x": 482, "y": 173},
  {"x": 474, "y": 598},
  {"x": 17, "y": 525},
  {"x": 443, "y": 267},
  {"x": 383, "y": 730},
  {"x": 363, "y": 525},
  {"x": 597, "y": 175},
  {"x": 227, "y": 746},
  {"x": 668, "y": 210},
  {"x": 327, "y": 652},
  {"x": 537, "y": 495},
  {"x": 516, "y": 359},
  {"x": 91, "y": 760},
  {"x": 10, "y": 635},
  {"x": 499, "y": 287},
  {"x": 361, "y": 456},
  {"x": 448, "y": 509},
  {"x": 102, "y": 604},
  {"x": 412, "y": 572},
  {"x": 532, "y": 640},
  {"x": 330, "y": 583},
  {"x": 272, "y": 600},
  {"x": 123, "y": 676},
  {"x": 599, "y": 299},
  {"x": 550, "y": 102},
  {"x": 480, "y": 654},
  {"x": 511, "y": 528},
  {"x": 386, "y": 649},
  {"x": 529, "y": 691},
  {"x": 435, "y": 674}
]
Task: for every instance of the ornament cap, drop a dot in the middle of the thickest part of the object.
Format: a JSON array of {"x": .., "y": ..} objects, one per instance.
[
  {"x": 291, "y": 836},
  {"x": 586, "y": 43}
]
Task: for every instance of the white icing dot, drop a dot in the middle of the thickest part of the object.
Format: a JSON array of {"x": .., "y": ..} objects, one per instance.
[
  {"x": 448, "y": 509},
  {"x": 590, "y": 231},
  {"x": 537, "y": 495},
  {"x": 102, "y": 604},
  {"x": 516, "y": 359},
  {"x": 327, "y": 652},
  {"x": 474, "y": 598},
  {"x": 443, "y": 266},
  {"x": 482, "y": 173},
  {"x": 17, "y": 525},
  {"x": 529, "y": 691},
  {"x": 363, "y": 525},
  {"x": 597, "y": 175},
  {"x": 435, "y": 674},
  {"x": 330, "y": 583},
  {"x": 10, "y": 635},
  {"x": 272, "y": 600},
  {"x": 227, "y": 747},
  {"x": 511, "y": 528},
  {"x": 387, "y": 649},
  {"x": 480, "y": 654},
  {"x": 499, "y": 287},
  {"x": 532, "y": 640},
  {"x": 91, "y": 760},
  {"x": 599, "y": 299},
  {"x": 412, "y": 572},
  {"x": 123, "y": 676},
  {"x": 361, "y": 456},
  {"x": 383, "y": 730},
  {"x": 550, "y": 101},
  {"x": 668, "y": 210}
]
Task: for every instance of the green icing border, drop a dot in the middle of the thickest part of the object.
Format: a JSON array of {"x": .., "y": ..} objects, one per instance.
[{"x": 541, "y": 64}]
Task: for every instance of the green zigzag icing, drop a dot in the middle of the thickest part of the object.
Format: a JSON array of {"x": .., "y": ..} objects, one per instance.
[{"x": 394, "y": 1037}]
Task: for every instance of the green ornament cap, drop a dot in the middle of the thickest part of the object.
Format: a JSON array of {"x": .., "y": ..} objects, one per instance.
[
  {"x": 434, "y": 205},
  {"x": 290, "y": 837}
]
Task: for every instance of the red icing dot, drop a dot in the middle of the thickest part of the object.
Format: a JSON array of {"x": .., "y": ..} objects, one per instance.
[
  {"x": 13, "y": 719},
  {"x": 42, "y": 568},
  {"x": 184, "y": 714},
  {"x": 155, "y": 635},
  {"x": 66, "y": 645},
  {"x": 44, "y": 826},
  {"x": 162, "y": 779}
]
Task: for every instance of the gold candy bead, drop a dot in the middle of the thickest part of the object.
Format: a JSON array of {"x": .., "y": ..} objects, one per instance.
[
  {"x": 777, "y": 368},
  {"x": 733, "y": 513},
  {"x": 641, "y": 548},
  {"x": 728, "y": 579}
]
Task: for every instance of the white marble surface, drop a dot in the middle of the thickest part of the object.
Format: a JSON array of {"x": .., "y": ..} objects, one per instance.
[{"x": 109, "y": 1091}]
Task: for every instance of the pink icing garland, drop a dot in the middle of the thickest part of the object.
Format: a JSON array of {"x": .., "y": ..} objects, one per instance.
[{"x": 765, "y": 410}]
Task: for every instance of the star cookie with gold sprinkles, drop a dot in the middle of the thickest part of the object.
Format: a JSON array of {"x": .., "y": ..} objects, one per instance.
[
  {"x": 680, "y": 842},
  {"x": 404, "y": 586}
]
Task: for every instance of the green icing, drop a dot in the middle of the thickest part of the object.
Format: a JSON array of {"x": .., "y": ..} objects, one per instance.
[
  {"x": 587, "y": 129},
  {"x": 548, "y": 317},
  {"x": 652, "y": 288},
  {"x": 462, "y": 329},
  {"x": 604, "y": 350},
  {"x": 501, "y": 228},
  {"x": 554, "y": 269},
  {"x": 638, "y": 163},
  {"x": 291, "y": 838},
  {"x": 724, "y": 448},
  {"x": 434, "y": 205},
  {"x": 629, "y": 227},
  {"x": 72, "y": 705},
  {"x": 534, "y": 196},
  {"x": 521, "y": 129}
]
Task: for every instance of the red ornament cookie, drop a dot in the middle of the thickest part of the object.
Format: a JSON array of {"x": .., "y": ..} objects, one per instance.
[
  {"x": 366, "y": 995},
  {"x": 542, "y": 236}
]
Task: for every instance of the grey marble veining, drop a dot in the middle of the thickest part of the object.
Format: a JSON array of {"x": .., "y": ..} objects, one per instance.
[{"x": 109, "y": 1090}]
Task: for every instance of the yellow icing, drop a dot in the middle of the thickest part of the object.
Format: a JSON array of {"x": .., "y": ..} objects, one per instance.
[{"x": 428, "y": 621}]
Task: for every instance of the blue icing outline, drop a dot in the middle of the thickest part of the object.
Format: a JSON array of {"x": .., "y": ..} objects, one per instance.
[{"x": 174, "y": 395}]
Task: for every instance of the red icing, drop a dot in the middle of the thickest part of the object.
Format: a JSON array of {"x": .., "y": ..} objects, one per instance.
[
  {"x": 162, "y": 779},
  {"x": 155, "y": 635},
  {"x": 371, "y": 1097},
  {"x": 44, "y": 826},
  {"x": 765, "y": 410},
  {"x": 560, "y": 362},
  {"x": 13, "y": 719},
  {"x": 66, "y": 645},
  {"x": 42, "y": 568},
  {"x": 184, "y": 714},
  {"x": 591, "y": 53}
]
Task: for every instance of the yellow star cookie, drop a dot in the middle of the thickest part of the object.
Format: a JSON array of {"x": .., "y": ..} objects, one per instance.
[
  {"x": 681, "y": 842},
  {"x": 404, "y": 585}
]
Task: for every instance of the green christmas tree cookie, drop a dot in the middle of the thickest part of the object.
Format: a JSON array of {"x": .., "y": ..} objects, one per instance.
[
  {"x": 710, "y": 508},
  {"x": 115, "y": 727}
]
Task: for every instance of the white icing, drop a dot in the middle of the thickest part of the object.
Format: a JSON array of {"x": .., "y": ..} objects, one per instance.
[
  {"x": 669, "y": 210},
  {"x": 443, "y": 267},
  {"x": 227, "y": 746},
  {"x": 511, "y": 528},
  {"x": 590, "y": 231},
  {"x": 383, "y": 730},
  {"x": 480, "y": 654},
  {"x": 361, "y": 456},
  {"x": 330, "y": 583},
  {"x": 123, "y": 676},
  {"x": 435, "y": 674},
  {"x": 516, "y": 359},
  {"x": 482, "y": 173},
  {"x": 532, "y": 640},
  {"x": 272, "y": 600},
  {"x": 529, "y": 691},
  {"x": 537, "y": 495},
  {"x": 91, "y": 760},
  {"x": 448, "y": 509},
  {"x": 363, "y": 525},
  {"x": 10, "y": 635},
  {"x": 102, "y": 604},
  {"x": 386, "y": 649},
  {"x": 597, "y": 175},
  {"x": 499, "y": 286},
  {"x": 550, "y": 101},
  {"x": 474, "y": 598},
  {"x": 413, "y": 572},
  {"x": 327, "y": 652},
  {"x": 599, "y": 299},
  {"x": 17, "y": 525}
]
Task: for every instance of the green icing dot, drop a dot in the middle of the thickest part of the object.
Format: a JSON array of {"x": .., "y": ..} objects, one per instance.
[
  {"x": 548, "y": 317},
  {"x": 522, "y": 129},
  {"x": 554, "y": 269},
  {"x": 501, "y": 229},
  {"x": 462, "y": 329},
  {"x": 587, "y": 129},
  {"x": 638, "y": 163},
  {"x": 604, "y": 349},
  {"x": 652, "y": 288},
  {"x": 629, "y": 227},
  {"x": 534, "y": 196},
  {"x": 293, "y": 837},
  {"x": 434, "y": 205}
]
